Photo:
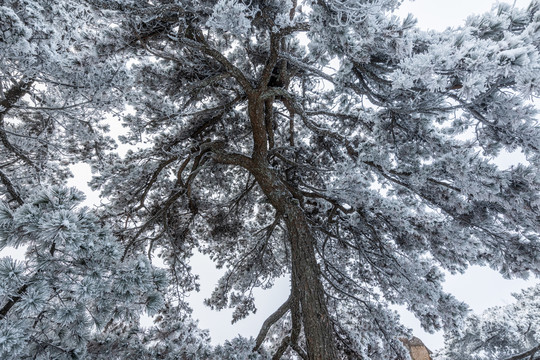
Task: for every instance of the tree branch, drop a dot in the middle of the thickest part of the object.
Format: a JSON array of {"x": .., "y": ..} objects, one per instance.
[
  {"x": 528, "y": 353},
  {"x": 14, "y": 94},
  {"x": 11, "y": 188},
  {"x": 15, "y": 299},
  {"x": 162, "y": 165},
  {"x": 11, "y": 97},
  {"x": 232, "y": 158},
  {"x": 282, "y": 348},
  {"x": 269, "y": 120},
  {"x": 271, "y": 61},
  {"x": 271, "y": 320},
  {"x": 219, "y": 57}
]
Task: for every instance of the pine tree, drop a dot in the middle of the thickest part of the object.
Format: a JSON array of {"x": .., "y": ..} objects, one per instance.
[
  {"x": 502, "y": 332},
  {"x": 55, "y": 85},
  {"x": 359, "y": 164},
  {"x": 72, "y": 281}
]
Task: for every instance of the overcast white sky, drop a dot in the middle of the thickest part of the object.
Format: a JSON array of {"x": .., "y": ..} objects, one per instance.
[
  {"x": 479, "y": 287},
  {"x": 440, "y": 14}
]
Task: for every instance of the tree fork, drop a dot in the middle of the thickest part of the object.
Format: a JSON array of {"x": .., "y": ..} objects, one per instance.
[{"x": 305, "y": 278}]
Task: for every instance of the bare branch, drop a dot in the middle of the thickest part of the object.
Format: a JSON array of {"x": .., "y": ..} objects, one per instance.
[
  {"x": 282, "y": 348},
  {"x": 269, "y": 120},
  {"x": 271, "y": 320}
]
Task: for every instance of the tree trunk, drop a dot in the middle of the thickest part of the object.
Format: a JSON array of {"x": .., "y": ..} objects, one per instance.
[{"x": 305, "y": 277}]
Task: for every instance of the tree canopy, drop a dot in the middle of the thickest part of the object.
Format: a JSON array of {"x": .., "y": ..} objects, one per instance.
[
  {"x": 325, "y": 140},
  {"x": 502, "y": 332}
]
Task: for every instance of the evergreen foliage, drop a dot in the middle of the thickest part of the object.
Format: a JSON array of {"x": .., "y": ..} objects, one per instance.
[
  {"x": 359, "y": 163},
  {"x": 502, "y": 332}
]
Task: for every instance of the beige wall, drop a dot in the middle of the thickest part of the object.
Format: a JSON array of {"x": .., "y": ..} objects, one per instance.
[
  {"x": 417, "y": 349},
  {"x": 419, "y": 353}
]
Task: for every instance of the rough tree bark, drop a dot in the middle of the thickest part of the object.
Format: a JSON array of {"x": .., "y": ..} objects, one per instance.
[
  {"x": 306, "y": 286},
  {"x": 305, "y": 277}
]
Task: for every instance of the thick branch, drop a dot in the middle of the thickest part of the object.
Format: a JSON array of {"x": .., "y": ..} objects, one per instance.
[
  {"x": 529, "y": 353},
  {"x": 223, "y": 157},
  {"x": 271, "y": 61},
  {"x": 282, "y": 348},
  {"x": 15, "y": 299},
  {"x": 214, "y": 119},
  {"x": 219, "y": 57},
  {"x": 290, "y": 107},
  {"x": 208, "y": 81},
  {"x": 256, "y": 118},
  {"x": 310, "y": 69},
  {"x": 12, "y": 96},
  {"x": 269, "y": 120},
  {"x": 296, "y": 319},
  {"x": 11, "y": 188},
  {"x": 271, "y": 320}
]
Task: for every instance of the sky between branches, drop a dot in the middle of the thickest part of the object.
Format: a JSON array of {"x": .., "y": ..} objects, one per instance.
[{"x": 479, "y": 287}]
